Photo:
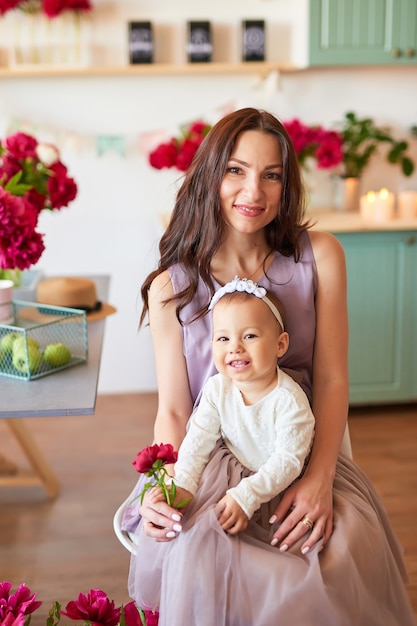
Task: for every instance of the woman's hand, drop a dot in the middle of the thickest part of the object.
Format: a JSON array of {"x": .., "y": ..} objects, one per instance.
[
  {"x": 160, "y": 521},
  {"x": 308, "y": 501}
]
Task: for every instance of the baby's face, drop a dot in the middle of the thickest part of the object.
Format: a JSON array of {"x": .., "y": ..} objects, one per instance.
[{"x": 247, "y": 339}]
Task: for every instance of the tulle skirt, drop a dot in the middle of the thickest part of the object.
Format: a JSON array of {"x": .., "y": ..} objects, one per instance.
[{"x": 206, "y": 577}]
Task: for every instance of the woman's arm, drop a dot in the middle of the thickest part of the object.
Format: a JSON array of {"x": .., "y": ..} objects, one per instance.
[
  {"x": 312, "y": 495},
  {"x": 174, "y": 398}
]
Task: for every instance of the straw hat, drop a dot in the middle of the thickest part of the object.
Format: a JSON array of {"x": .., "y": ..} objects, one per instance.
[{"x": 74, "y": 293}]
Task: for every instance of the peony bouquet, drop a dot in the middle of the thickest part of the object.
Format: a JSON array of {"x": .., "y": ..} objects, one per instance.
[
  {"x": 32, "y": 179},
  {"x": 325, "y": 146},
  {"x": 93, "y": 608},
  {"x": 179, "y": 151},
  {"x": 51, "y": 8}
]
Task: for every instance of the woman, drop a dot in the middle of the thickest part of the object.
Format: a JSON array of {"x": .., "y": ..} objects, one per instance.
[{"x": 240, "y": 212}]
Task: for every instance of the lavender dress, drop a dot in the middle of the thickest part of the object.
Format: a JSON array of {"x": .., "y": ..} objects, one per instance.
[{"x": 206, "y": 577}]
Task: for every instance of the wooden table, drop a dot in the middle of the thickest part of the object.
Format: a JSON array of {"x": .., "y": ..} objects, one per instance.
[{"x": 70, "y": 392}]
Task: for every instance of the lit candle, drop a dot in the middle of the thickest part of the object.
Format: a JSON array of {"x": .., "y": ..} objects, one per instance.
[
  {"x": 407, "y": 204},
  {"x": 367, "y": 205},
  {"x": 384, "y": 205}
]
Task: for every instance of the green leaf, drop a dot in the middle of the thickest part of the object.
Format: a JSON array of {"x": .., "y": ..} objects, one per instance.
[
  {"x": 142, "y": 616},
  {"x": 54, "y": 615},
  {"x": 407, "y": 166},
  {"x": 183, "y": 503}
]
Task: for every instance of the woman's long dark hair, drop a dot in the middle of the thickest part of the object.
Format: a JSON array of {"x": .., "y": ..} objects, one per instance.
[{"x": 196, "y": 227}]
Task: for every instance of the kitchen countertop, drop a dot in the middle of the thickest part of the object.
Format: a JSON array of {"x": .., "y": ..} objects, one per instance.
[{"x": 352, "y": 221}]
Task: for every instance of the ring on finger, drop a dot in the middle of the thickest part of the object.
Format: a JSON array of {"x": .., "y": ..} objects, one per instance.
[{"x": 307, "y": 522}]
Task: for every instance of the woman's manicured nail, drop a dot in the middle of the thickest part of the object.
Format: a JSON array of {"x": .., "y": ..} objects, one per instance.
[
  {"x": 170, "y": 534},
  {"x": 272, "y": 519},
  {"x": 177, "y": 528},
  {"x": 176, "y": 517},
  {"x": 284, "y": 547},
  {"x": 305, "y": 550},
  {"x": 274, "y": 541}
]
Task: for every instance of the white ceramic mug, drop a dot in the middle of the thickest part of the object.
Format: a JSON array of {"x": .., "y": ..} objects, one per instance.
[{"x": 6, "y": 296}]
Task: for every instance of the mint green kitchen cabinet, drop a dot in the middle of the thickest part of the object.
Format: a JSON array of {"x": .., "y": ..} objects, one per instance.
[
  {"x": 363, "y": 32},
  {"x": 382, "y": 305}
]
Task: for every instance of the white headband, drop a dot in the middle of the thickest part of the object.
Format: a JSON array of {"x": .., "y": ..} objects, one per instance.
[{"x": 248, "y": 286}]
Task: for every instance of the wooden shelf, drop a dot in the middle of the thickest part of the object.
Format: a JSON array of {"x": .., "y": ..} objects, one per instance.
[{"x": 153, "y": 69}]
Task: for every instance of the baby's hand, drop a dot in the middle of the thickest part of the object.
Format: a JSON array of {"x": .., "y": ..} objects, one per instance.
[
  {"x": 231, "y": 517},
  {"x": 182, "y": 498}
]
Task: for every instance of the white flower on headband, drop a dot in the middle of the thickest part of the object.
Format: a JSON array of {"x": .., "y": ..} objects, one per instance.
[
  {"x": 238, "y": 284},
  {"x": 247, "y": 286}
]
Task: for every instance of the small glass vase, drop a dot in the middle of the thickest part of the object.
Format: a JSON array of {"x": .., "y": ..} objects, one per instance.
[
  {"x": 15, "y": 275},
  {"x": 345, "y": 193}
]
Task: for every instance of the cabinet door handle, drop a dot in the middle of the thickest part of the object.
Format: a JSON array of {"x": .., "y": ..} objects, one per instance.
[
  {"x": 410, "y": 52},
  {"x": 410, "y": 240},
  {"x": 396, "y": 52}
]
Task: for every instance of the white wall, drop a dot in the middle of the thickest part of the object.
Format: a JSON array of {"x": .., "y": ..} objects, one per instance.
[{"x": 114, "y": 225}]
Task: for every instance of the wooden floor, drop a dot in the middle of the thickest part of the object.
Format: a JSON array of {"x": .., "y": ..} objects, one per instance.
[{"x": 63, "y": 547}]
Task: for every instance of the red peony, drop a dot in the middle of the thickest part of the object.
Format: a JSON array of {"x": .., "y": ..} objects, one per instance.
[
  {"x": 179, "y": 151},
  {"x": 137, "y": 617},
  {"x": 14, "y": 607},
  {"x": 148, "y": 457},
  {"x": 51, "y": 8},
  {"x": 62, "y": 189},
  {"x": 165, "y": 155},
  {"x": 32, "y": 178},
  {"x": 94, "y": 607},
  {"x": 326, "y": 146},
  {"x": 151, "y": 461},
  {"x": 8, "y": 5},
  {"x": 20, "y": 244}
]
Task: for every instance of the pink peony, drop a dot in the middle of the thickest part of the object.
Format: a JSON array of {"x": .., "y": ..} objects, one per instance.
[
  {"x": 132, "y": 616},
  {"x": 95, "y": 607},
  {"x": 14, "y": 607},
  {"x": 314, "y": 141}
]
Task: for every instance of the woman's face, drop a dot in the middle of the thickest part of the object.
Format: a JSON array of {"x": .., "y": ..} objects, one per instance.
[{"x": 250, "y": 192}]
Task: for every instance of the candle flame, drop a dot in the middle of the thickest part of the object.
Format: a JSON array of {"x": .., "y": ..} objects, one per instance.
[{"x": 383, "y": 193}]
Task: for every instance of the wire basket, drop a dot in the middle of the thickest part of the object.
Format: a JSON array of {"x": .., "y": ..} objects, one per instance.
[{"x": 41, "y": 340}]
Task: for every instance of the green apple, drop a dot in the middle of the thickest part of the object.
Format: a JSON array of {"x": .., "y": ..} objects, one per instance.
[
  {"x": 57, "y": 354},
  {"x": 29, "y": 361},
  {"x": 8, "y": 340},
  {"x": 20, "y": 343}
]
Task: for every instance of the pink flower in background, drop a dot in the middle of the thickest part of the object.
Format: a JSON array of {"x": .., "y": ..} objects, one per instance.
[
  {"x": 20, "y": 244},
  {"x": 51, "y": 8},
  {"x": 180, "y": 151},
  {"x": 325, "y": 146},
  {"x": 32, "y": 178}
]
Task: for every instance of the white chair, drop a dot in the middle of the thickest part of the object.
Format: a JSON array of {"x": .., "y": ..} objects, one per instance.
[{"x": 128, "y": 539}]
